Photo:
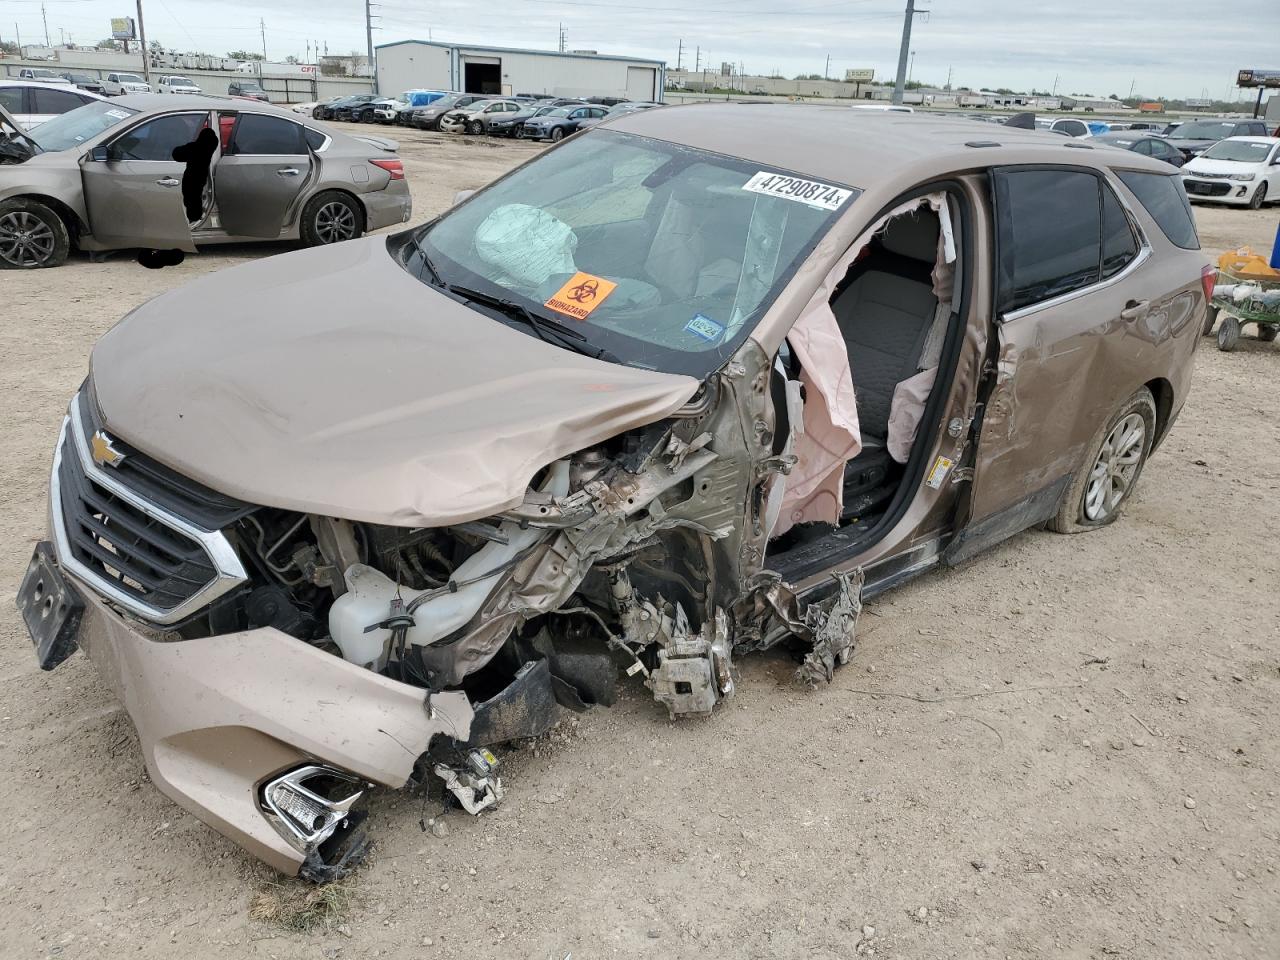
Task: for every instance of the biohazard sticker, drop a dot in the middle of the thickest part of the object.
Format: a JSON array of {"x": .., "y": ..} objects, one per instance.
[
  {"x": 809, "y": 192},
  {"x": 582, "y": 294}
]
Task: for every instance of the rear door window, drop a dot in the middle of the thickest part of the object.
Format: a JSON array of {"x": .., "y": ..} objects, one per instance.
[
  {"x": 1163, "y": 197},
  {"x": 1119, "y": 245},
  {"x": 56, "y": 101},
  {"x": 263, "y": 135},
  {"x": 1050, "y": 234},
  {"x": 12, "y": 98}
]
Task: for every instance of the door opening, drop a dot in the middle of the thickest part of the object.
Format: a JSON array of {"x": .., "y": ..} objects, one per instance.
[{"x": 483, "y": 78}]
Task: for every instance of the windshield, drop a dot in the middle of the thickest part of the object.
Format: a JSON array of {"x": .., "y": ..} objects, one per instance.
[
  {"x": 1244, "y": 151},
  {"x": 558, "y": 112},
  {"x": 180, "y": 82},
  {"x": 45, "y": 73},
  {"x": 130, "y": 78},
  {"x": 1203, "y": 130},
  {"x": 249, "y": 85},
  {"x": 662, "y": 255},
  {"x": 74, "y": 127}
]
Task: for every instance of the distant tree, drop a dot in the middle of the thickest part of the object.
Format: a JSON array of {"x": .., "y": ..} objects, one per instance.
[
  {"x": 912, "y": 85},
  {"x": 244, "y": 55},
  {"x": 291, "y": 59},
  {"x": 109, "y": 44},
  {"x": 9, "y": 47},
  {"x": 809, "y": 76}
]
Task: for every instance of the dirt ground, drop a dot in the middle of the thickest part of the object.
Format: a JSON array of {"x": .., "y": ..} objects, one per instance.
[{"x": 1066, "y": 748}]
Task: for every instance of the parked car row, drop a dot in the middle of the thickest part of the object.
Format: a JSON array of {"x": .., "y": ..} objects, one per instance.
[{"x": 550, "y": 119}]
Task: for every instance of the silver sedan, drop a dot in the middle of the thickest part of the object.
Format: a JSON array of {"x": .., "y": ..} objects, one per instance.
[{"x": 103, "y": 177}]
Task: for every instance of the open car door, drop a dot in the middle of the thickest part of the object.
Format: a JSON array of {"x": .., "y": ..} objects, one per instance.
[
  {"x": 133, "y": 186},
  {"x": 264, "y": 165}
]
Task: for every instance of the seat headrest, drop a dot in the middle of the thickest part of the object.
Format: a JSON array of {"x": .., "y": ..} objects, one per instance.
[{"x": 914, "y": 235}]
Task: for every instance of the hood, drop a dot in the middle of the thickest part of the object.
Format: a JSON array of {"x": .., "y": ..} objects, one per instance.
[
  {"x": 1222, "y": 167},
  {"x": 1194, "y": 146},
  {"x": 330, "y": 381}
]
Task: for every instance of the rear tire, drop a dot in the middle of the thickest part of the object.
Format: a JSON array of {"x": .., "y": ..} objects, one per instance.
[
  {"x": 331, "y": 217},
  {"x": 1267, "y": 333},
  {"x": 1228, "y": 334},
  {"x": 1210, "y": 318},
  {"x": 32, "y": 235},
  {"x": 1259, "y": 197},
  {"x": 557, "y": 134},
  {"x": 1110, "y": 472}
]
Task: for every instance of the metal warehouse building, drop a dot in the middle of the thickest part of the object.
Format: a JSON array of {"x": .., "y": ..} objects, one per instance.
[{"x": 504, "y": 71}]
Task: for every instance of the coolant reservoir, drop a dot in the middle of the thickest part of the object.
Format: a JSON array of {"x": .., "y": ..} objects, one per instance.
[{"x": 369, "y": 592}]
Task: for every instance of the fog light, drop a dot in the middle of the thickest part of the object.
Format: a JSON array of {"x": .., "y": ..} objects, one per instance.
[{"x": 311, "y": 802}]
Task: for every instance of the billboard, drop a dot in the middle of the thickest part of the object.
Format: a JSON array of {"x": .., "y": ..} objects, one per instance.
[
  {"x": 1198, "y": 103},
  {"x": 859, "y": 76},
  {"x": 122, "y": 28},
  {"x": 1258, "y": 78}
]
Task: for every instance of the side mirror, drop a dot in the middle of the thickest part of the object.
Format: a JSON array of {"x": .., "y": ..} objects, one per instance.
[{"x": 100, "y": 154}]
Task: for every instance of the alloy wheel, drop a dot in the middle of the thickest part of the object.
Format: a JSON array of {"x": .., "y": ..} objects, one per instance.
[
  {"x": 25, "y": 239},
  {"x": 1116, "y": 468},
  {"x": 335, "y": 221}
]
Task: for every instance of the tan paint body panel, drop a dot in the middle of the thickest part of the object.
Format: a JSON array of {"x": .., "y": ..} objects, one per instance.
[
  {"x": 331, "y": 381},
  {"x": 218, "y": 716}
]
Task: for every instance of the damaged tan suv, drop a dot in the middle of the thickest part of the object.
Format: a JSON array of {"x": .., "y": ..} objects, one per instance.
[{"x": 669, "y": 393}]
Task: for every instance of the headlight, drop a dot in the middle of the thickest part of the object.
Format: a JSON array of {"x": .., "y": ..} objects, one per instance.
[{"x": 1241, "y": 176}]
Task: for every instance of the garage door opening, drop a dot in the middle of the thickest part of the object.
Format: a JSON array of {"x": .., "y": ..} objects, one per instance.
[
  {"x": 641, "y": 83},
  {"x": 483, "y": 78}
]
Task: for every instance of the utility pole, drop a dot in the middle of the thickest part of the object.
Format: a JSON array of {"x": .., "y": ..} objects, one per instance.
[
  {"x": 142, "y": 42},
  {"x": 680, "y": 55},
  {"x": 949, "y": 78},
  {"x": 826, "y": 70},
  {"x": 900, "y": 83},
  {"x": 45, "y": 18},
  {"x": 562, "y": 38},
  {"x": 1054, "y": 92},
  {"x": 368, "y": 36},
  {"x": 911, "y": 70},
  {"x": 18, "y": 33},
  {"x": 1132, "y": 83},
  {"x": 262, "y": 25},
  {"x": 697, "y": 59}
]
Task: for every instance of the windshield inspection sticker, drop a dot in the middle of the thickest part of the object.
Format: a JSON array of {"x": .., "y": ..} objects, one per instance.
[
  {"x": 809, "y": 192},
  {"x": 580, "y": 295},
  {"x": 704, "y": 327}
]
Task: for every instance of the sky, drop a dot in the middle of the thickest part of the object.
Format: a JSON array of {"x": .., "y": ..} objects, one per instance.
[{"x": 1171, "y": 48}]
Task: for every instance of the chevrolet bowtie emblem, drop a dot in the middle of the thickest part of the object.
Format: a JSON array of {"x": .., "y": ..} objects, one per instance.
[{"x": 104, "y": 451}]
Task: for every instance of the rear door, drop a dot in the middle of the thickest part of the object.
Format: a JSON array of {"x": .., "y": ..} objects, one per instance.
[
  {"x": 134, "y": 198},
  {"x": 1073, "y": 312},
  {"x": 260, "y": 175}
]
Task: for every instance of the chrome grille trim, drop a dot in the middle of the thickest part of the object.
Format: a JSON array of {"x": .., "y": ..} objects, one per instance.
[{"x": 229, "y": 571}]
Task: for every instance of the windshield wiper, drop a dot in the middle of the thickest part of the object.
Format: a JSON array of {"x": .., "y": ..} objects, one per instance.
[{"x": 551, "y": 331}]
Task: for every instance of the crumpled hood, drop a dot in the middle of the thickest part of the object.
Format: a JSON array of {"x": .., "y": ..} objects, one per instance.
[{"x": 330, "y": 381}]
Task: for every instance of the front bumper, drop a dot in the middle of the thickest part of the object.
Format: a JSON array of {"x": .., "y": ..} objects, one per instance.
[
  {"x": 389, "y": 206},
  {"x": 1239, "y": 192},
  {"x": 450, "y": 125},
  {"x": 219, "y": 717}
]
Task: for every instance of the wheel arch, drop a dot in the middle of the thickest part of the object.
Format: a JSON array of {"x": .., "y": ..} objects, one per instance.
[
  {"x": 1162, "y": 391},
  {"x": 76, "y": 227}
]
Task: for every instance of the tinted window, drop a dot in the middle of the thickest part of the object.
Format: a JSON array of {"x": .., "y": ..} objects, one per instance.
[
  {"x": 11, "y": 97},
  {"x": 1143, "y": 147},
  {"x": 1166, "y": 201},
  {"x": 315, "y": 139},
  {"x": 155, "y": 139},
  {"x": 1050, "y": 230},
  {"x": 56, "y": 101},
  {"x": 256, "y": 134},
  {"x": 1119, "y": 246}
]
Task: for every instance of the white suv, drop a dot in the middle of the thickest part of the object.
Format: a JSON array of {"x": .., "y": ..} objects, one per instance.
[
  {"x": 174, "y": 84},
  {"x": 116, "y": 84}
]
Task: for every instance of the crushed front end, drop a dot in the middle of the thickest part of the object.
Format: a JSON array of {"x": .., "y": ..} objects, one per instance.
[{"x": 276, "y": 664}]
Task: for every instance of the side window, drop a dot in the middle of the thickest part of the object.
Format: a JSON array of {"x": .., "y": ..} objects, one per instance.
[
  {"x": 1163, "y": 197},
  {"x": 11, "y": 97},
  {"x": 315, "y": 139},
  {"x": 1049, "y": 240},
  {"x": 257, "y": 134},
  {"x": 55, "y": 101},
  {"x": 155, "y": 139},
  {"x": 1143, "y": 147},
  {"x": 1119, "y": 245}
]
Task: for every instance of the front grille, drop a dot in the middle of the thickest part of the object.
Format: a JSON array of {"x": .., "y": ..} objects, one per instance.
[
  {"x": 202, "y": 507},
  {"x": 1207, "y": 189},
  {"x": 115, "y": 540},
  {"x": 123, "y": 544}
]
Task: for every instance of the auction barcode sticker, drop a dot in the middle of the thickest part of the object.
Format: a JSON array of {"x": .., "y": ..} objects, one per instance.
[{"x": 821, "y": 195}]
